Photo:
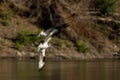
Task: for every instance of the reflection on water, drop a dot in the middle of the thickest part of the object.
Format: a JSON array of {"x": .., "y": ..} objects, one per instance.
[{"x": 62, "y": 70}]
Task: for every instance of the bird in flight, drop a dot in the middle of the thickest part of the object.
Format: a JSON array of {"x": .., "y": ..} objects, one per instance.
[{"x": 48, "y": 34}]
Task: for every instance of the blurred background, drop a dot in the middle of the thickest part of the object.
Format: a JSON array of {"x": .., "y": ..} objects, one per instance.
[{"x": 88, "y": 48}]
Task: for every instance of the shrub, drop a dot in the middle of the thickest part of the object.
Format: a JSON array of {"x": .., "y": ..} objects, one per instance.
[
  {"x": 5, "y": 22},
  {"x": 60, "y": 43},
  {"x": 81, "y": 47},
  {"x": 7, "y": 15},
  {"x": 18, "y": 45},
  {"x": 104, "y": 29},
  {"x": 57, "y": 42},
  {"x": 1, "y": 44},
  {"x": 23, "y": 38},
  {"x": 107, "y": 7}
]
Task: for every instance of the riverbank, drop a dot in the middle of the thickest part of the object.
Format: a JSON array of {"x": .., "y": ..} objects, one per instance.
[{"x": 88, "y": 36}]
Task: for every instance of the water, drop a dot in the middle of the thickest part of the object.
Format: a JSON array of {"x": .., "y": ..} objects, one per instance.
[{"x": 12, "y": 69}]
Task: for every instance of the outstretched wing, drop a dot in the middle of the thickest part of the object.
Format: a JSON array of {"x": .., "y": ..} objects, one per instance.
[
  {"x": 51, "y": 31},
  {"x": 50, "y": 35},
  {"x": 47, "y": 32}
]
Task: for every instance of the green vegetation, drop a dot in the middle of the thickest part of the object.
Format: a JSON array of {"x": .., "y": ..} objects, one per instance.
[
  {"x": 107, "y": 7},
  {"x": 109, "y": 29},
  {"x": 81, "y": 47},
  {"x": 104, "y": 29},
  {"x": 60, "y": 43},
  {"x": 5, "y": 22},
  {"x": 57, "y": 42},
  {"x": 5, "y": 14},
  {"x": 1, "y": 44},
  {"x": 23, "y": 38},
  {"x": 5, "y": 17},
  {"x": 116, "y": 34},
  {"x": 100, "y": 31}
]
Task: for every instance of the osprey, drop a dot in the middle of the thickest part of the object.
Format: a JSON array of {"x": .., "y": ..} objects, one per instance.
[{"x": 48, "y": 34}]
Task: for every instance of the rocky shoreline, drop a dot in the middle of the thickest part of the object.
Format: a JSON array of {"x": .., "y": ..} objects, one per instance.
[
  {"x": 89, "y": 36},
  {"x": 59, "y": 56}
]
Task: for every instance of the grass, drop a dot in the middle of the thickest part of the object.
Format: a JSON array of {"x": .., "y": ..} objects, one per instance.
[
  {"x": 90, "y": 25},
  {"x": 23, "y": 38},
  {"x": 60, "y": 43},
  {"x": 103, "y": 27},
  {"x": 107, "y": 7},
  {"x": 57, "y": 42},
  {"x": 6, "y": 14},
  {"x": 1, "y": 44},
  {"x": 5, "y": 22},
  {"x": 81, "y": 47}
]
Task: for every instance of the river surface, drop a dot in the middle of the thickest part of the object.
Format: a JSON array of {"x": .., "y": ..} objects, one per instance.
[{"x": 13, "y": 69}]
